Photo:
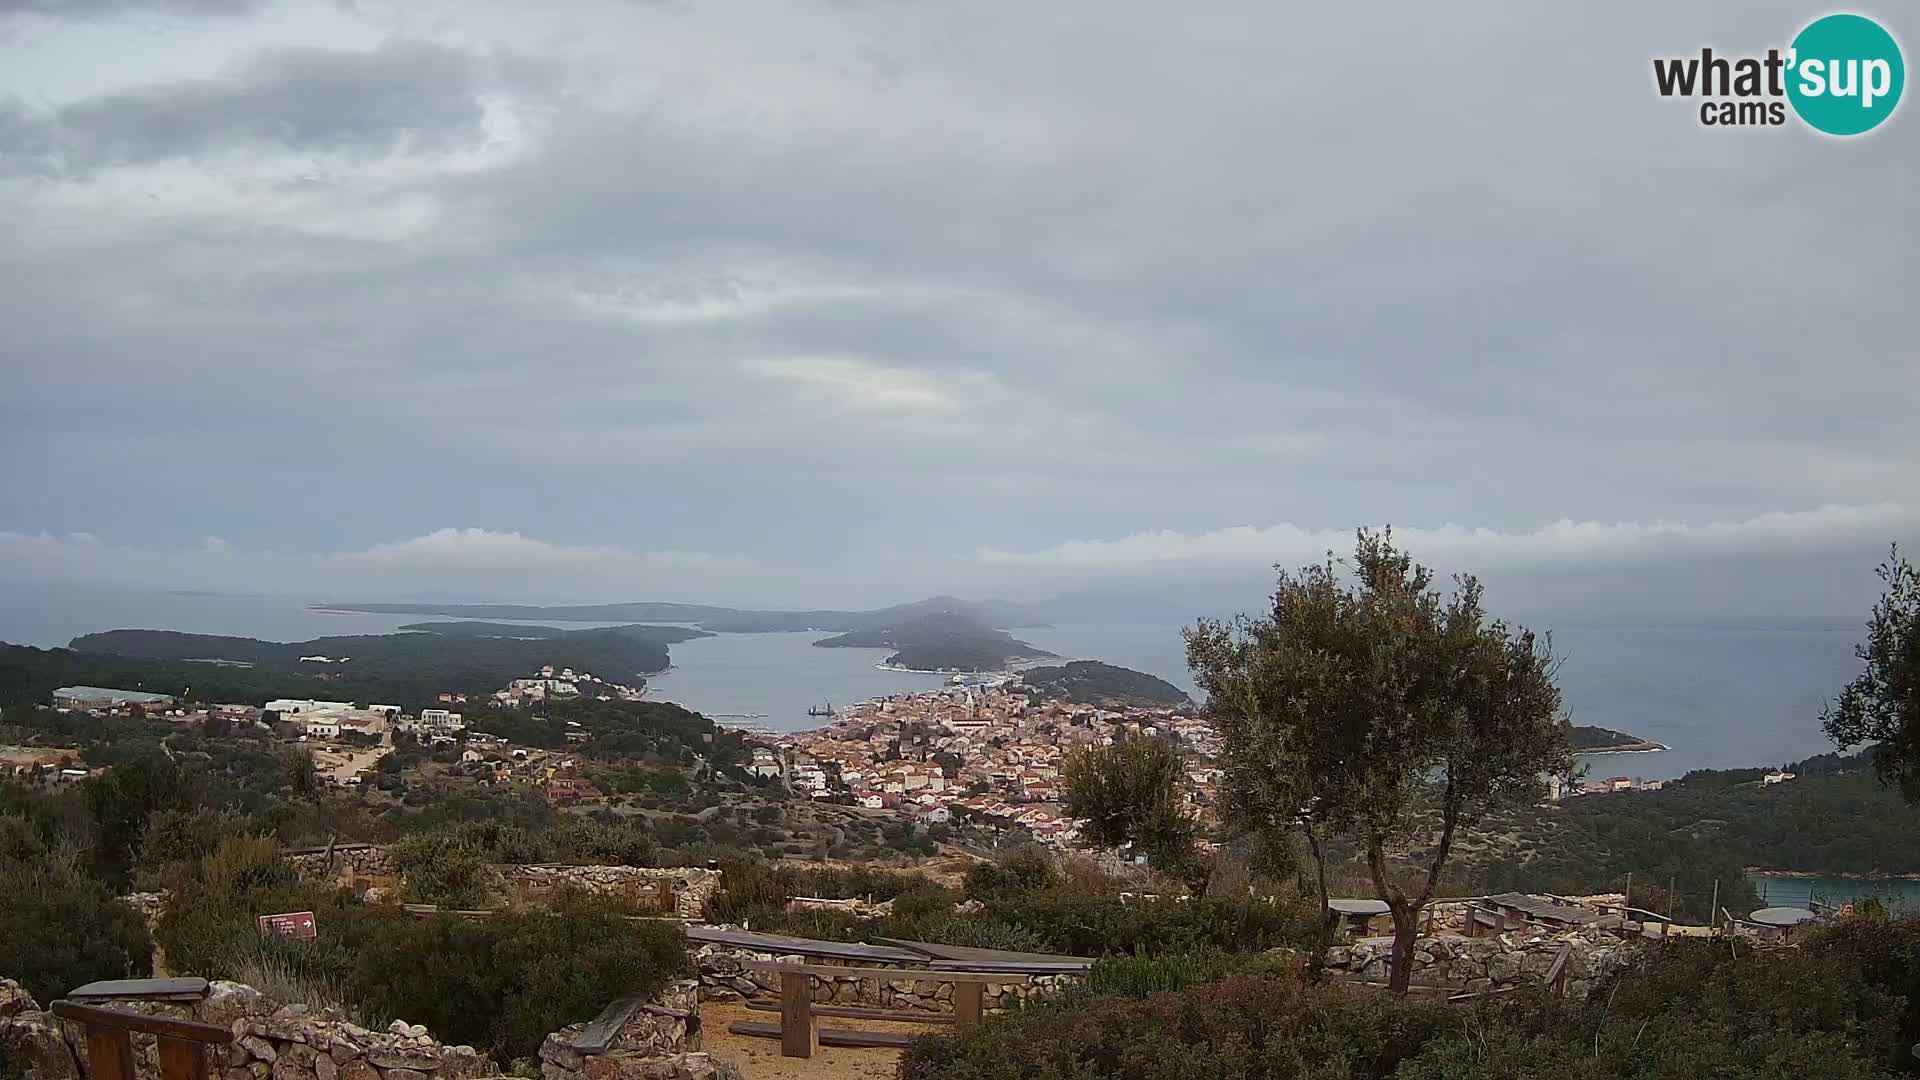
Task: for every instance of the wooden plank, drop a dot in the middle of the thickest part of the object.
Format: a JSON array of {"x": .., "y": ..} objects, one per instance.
[
  {"x": 1554, "y": 973},
  {"x": 849, "y": 1012},
  {"x": 131, "y": 989},
  {"x": 600, "y": 1031},
  {"x": 970, "y": 959},
  {"x": 182, "y": 1059},
  {"x": 968, "y": 1004},
  {"x": 799, "y": 1037},
  {"x": 828, "y": 971},
  {"x": 782, "y": 945},
  {"x": 166, "y": 1026},
  {"x": 891, "y": 1040},
  {"x": 109, "y": 1053}
]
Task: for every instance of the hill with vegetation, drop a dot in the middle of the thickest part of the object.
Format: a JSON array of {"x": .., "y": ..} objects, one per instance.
[
  {"x": 1090, "y": 682},
  {"x": 719, "y": 619},
  {"x": 407, "y": 669},
  {"x": 1834, "y": 819},
  {"x": 948, "y": 639}
]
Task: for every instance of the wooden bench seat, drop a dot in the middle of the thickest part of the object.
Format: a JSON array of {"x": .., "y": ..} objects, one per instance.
[
  {"x": 848, "y": 1012},
  {"x": 831, "y": 1036}
]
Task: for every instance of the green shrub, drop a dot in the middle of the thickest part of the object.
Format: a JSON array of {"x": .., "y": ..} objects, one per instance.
[
  {"x": 1097, "y": 926},
  {"x": 1023, "y": 872},
  {"x": 1685, "y": 1010},
  {"x": 211, "y": 928},
  {"x": 503, "y": 983},
  {"x": 923, "y": 902},
  {"x": 1138, "y": 976},
  {"x": 59, "y": 930},
  {"x": 443, "y": 868}
]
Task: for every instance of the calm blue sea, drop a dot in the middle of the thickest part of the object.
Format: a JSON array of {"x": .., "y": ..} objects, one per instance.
[{"x": 1718, "y": 696}]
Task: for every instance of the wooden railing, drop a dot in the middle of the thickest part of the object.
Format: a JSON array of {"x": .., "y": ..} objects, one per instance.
[{"x": 182, "y": 1043}]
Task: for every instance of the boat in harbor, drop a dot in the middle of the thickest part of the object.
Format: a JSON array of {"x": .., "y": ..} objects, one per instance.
[{"x": 821, "y": 710}]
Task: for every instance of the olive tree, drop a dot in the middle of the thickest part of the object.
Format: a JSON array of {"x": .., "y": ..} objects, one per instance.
[
  {"x": 1882, "y": 704},
  {"x": 1130, "y": 794},
  {"x": 1368, "y": 704}
]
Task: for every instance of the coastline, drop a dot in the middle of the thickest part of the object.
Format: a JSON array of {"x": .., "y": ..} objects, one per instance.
[
  {"x": 1802, "y": 875},
  {"x": 1627, "y": 748}
]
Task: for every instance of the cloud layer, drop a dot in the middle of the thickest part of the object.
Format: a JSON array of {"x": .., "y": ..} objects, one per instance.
[{"x": 888, "y": 299}]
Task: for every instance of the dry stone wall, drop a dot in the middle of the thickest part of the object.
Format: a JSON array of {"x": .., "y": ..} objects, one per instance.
[
  {"x": 345, "y": 864},
  {"x": 724, "y": 976},
  {"x": 1492, "y": 962},
  {"x": 690, "y": 887},
  {"x": 660, "y": 1041},
  {"x": 289, "y": 1042}
]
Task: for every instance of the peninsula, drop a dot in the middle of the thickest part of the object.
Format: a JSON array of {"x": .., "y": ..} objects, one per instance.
[
  {"x": 1599, "y": 740},
  {"x": 951, "y": 639}
]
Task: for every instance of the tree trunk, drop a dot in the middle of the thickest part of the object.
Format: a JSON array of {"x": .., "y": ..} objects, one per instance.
[
  {"x": 1406, "y": 930},
  {"x": 1324, "y": 940}
]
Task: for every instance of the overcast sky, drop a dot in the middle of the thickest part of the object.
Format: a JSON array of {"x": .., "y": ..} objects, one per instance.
[{"x": 808, "y": 302}]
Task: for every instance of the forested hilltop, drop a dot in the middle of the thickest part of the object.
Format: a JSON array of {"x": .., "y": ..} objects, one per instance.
[{"x": 1091, "y": 682}]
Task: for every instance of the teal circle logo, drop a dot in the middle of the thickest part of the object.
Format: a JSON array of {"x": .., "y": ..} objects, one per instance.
[{"x": 1845, "y": 74}]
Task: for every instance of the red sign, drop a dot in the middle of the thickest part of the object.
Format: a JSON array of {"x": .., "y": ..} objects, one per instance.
[{"x": 294, "y": 924}]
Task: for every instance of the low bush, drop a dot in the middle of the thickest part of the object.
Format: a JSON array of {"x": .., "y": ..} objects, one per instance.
[
  {"x": 59, "y": 930},
  {"x": 502, "y": 984},
  {"x": 1138, "y": 976},
  {"x": 444, "y": 868},
  {"x": 1025, "y": 871},
  {"x": 1688, "y": 1009}
]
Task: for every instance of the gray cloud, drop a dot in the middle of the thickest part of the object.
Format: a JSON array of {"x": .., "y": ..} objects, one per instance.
[
  {"x": 308, "y": 100},
  {"x": 93, "y": 9},
  {"x": 878, "y": 286}
]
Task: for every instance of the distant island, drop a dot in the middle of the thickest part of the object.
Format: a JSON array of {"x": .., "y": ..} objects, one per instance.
[
  {"x": 719, "y": 619},
  {"x": 951, "y": 639},
  {"x": 668, "y": 635},
  {"x": 1599, "y": 740},
  {"x": 407, "y": 669},
  {"x": 1090, "y": 682}
]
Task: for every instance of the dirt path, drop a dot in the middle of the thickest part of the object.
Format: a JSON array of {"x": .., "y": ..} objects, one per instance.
[{"x": 760, "y": 1059}]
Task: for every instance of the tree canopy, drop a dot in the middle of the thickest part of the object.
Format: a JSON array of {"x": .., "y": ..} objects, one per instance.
[
  {"x": 1882, "y": 704},
  {"x": 1363, "y": 695}
]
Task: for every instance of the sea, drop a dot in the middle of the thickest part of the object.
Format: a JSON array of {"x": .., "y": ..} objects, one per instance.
[{"x": 1718, "y": 696}]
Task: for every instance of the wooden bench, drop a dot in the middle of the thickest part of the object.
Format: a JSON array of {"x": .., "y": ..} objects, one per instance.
[
  {"x": 109, "y": 1033},
  {"x": 799, "y": 1035}
]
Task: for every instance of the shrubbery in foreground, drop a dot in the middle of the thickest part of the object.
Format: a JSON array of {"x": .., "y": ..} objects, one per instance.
[
  {"x": 498, "y": 984},
  {"x": 1688, "y": 1011}
]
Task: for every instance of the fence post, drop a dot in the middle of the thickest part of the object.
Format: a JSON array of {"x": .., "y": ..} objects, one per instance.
[{"x": 799, "y": 1037}]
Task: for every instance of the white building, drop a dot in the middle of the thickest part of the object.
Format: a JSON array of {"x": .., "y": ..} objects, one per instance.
[
  {"x": 296, "y": 706},
  {"x": 321, "y": 726},
  {"x": 434, "y": 722}
]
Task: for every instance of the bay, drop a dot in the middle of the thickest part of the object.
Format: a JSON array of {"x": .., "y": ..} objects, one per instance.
[{"x": 1795, "y": 892}]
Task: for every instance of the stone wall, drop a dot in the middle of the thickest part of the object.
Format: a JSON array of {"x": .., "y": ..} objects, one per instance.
[
  {"x": 692, "y": 887},
  {"x": 1492, "y": 962},
  {"x": 724, "y": 976},
  {"x": 657, "y": 1041},
  {"x": 366, "y": 864},
  {"x": 289, "y": 1042},
  {"x": 346, "y": 865}
]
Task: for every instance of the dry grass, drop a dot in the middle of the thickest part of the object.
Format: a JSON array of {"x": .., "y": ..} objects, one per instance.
[{"x": 759, "y": 1059}]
